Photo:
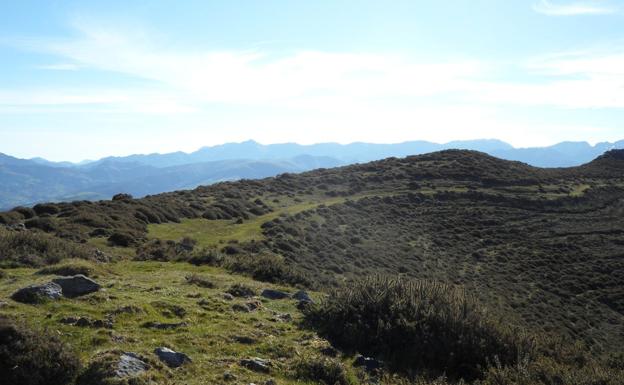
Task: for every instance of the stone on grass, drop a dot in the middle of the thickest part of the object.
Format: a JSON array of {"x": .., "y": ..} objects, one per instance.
[
  {"x": 368, "y": 363},
  {"x": 274, "y": 294},
  {"x": 171, "y": 358},
  {"x": 302, "y": 295},
  {"x": 130, "y": 365},
  {"x": 38, "y": 293},
  {"x": 76, "y": 285},
  {"x": 256, "y": 364}
]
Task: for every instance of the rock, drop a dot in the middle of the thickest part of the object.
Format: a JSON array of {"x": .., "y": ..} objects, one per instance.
[
  {"x": 227, "y": 376},
  {"x": 256, "y": 364},
  {"x": 285, "y": 317},
  {"x": 130, "y": 365},
  {"x": 274, "y": 294},
  {"x": 171, "y": 358},
  {"x": 76, "y": 285},
  {"x": 244, "y": 340},
  {"x": 227, "y": 296},
  {"x": 368, "y": 363},
  {"x": 302, "y": 295},
  {"x": 86, "y": 322},
  {"x": 247, "y": 307},
  {"x": 164, "y": 326},
  {"x": 253, "y": 305},
  {"x": 302, "y": 305},
  {"x": 69, "y": 320},
  {"x": 38, "y": 293}
]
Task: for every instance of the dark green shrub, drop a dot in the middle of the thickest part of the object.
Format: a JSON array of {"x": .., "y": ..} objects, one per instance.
[
  {"x": 265, "y": 267},
  {"x": 328, "y": 371},
  {"x": 416, "y": 325},
  {"x": 29, "y": 357},
  {"x": 209, "y": 256},
  {"x": 158, "y": 250},
  {"x": 122, "y": 239},
  {"x": 240, "y": 290},
  {"x": 46, "y": 224},
  {"x": 31, "y": 248},
  {"x": 70, "y": 268},
  {"x": 46, "y": 208},
  {"x": 198, "y": 280}
]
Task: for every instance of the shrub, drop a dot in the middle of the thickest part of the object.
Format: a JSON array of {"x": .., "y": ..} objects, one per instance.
[
  {"x": 158, "y": 250},
  {"x": 69, "y": 268},
  {"x": 416, "y": 325},
  {"x": 210, "y": 257},
  {"x": 46, "y": 208},
  {"x": 198, "y": 280},
  {"x": 265, "y": 267},
  {"x": 29, "y": 357},
  {"x": 122, "y": 239},
  {"x": 35, "y": 249},
  {"x": 240, "y": 290},
  {"x": 328, "y": 371}
]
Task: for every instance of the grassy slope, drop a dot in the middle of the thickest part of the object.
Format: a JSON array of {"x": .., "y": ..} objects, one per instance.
[{"x": 207, "y": 339}]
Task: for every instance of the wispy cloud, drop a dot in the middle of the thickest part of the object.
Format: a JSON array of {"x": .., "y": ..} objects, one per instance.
[
  {"x": 575, "y": 8},
  {"x": 59, "y": 67}
]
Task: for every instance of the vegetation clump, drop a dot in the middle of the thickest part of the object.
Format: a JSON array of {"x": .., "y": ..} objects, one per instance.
[
  {"x": 326, "y": 370},
  {"x": 31, "y": 357},
  {"x": 69, "y": 268},
  {"x": 35, "y": 249},
  {"x": 417, "y": 325}
]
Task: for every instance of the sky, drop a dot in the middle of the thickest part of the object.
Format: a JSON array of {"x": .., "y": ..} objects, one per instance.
[{"x": 87, "y": 79}]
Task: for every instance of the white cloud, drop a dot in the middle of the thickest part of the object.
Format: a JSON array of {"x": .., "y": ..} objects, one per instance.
[
  {"x": 59, "y": 67},
  {"x": 575, "y": 8}
]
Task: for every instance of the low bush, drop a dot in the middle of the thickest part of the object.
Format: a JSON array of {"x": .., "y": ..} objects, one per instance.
[
  {"x": 240, "y": 290},
  {"x": 198, "y": 280},
  {"x": 35, "y": 249},
  {"x": 265, "y": 267},
  {"x": 417, "y": 325},
  {"x": 30, "y": 357},
  {"x": 69, "y": 268},
  {"x": 326, "y": 370},
  {"x": 122, "y": 239},
  {"x": 207, "y": 256}
]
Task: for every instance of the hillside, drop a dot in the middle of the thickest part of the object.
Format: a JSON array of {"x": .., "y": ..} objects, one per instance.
[
  {"x": 27, "y": 182},
  {"x": 540, "y": 248}
]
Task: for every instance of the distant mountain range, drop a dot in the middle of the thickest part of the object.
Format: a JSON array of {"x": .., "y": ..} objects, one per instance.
[{"x": 28, "y": 181}]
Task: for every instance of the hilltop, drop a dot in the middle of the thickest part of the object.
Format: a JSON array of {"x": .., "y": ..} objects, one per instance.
[
  {"x": 30, "y": 181},
  {"x": 540, "y": 248}
]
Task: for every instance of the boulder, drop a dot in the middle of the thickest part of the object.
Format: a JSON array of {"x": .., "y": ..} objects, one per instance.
[
  {"x": 171, "y": 358},
  {"x": 76, "y": 285},
  {"x": 130, "y": 365},
  {"x": 257, "y": 364},
  {"x": 369, "y": 363},
  {"x": 38, "y": 293},
  {"x": 302, "y": 295},
  {"x": 274, "y": 294}
]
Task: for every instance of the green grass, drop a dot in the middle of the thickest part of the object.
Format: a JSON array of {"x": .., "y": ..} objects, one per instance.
[
  {"x": 207, "y": 339},
  {"x": 213, "y": 232}
]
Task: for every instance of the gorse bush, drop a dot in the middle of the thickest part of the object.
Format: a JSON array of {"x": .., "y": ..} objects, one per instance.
[
  {"x": 70, "y": 268},
  {"x": 325, "y": 370},
  {"x": 265, "y": 267},
  {"x": 29, "y": 357},
  {"x": 35, "y": 249},
  {"x": 417, "y": 325}
]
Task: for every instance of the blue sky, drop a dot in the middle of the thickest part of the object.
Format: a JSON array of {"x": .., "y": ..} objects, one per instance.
[{"x": 85, "y": 79}]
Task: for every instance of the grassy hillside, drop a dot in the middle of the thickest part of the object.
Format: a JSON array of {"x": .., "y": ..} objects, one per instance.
[{"x": 541, "y": 249}]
